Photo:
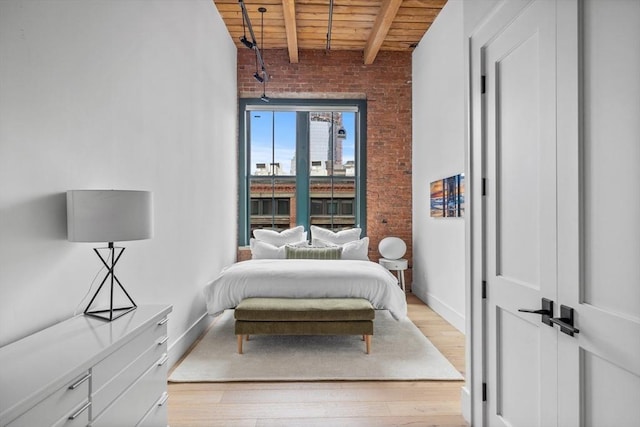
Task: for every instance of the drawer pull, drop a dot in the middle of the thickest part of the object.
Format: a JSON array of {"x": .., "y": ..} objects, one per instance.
[
  {"x": 163, "y": 321},
  {"x": 163, "y": 359},
  {"x": 79, "y": 382},
  {"x": 163, "y": 340},
  {"x": 163, "y": 398},
  {"x": 79, "y": 411}
]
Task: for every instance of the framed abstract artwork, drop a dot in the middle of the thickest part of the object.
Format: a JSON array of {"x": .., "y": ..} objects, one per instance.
[
  {"x": 447, "y": 197},
  {"x": 437, "y": 199}
]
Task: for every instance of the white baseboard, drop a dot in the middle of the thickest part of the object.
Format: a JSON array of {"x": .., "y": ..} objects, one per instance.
[
  {"x": 465, "y": 400},
  {"x": 180, "y": 346},
  {"x": 443, "y": 309}
]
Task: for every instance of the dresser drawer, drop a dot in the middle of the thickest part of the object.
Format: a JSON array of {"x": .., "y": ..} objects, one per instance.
[
  {"x": 59, "y": 405},
  {"x": 157, "y": 415},
  {"x": 104, "y": 371},
  {"x": 160, "y": 327},
  {"x": 136, "y": 401},
  {"x": 79, "y": 417},
  {"x": 110, "y": 391}
]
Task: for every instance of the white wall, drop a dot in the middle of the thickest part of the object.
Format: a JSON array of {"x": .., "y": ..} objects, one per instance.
[
  {"x": 137, "y": 94},
  {"x": 439, "y": 152}
]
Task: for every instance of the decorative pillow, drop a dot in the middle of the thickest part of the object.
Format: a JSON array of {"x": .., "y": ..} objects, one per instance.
[
  {"x": 339, "y": 238},
  {"x": 263, "y": 250},
  {"x": 356, "y": 250},
  {"x": 292, "y": 252},
  {"x": 292, "y": 235}
]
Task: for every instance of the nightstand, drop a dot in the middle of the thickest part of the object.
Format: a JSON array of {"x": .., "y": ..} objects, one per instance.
[{"x": 397, "y": 265}]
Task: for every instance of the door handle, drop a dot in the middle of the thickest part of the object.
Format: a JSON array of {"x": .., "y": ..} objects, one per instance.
[
  {"x": 565, "y": 321},
  {"x": 524, "y": 310},
  {"x": 546, "y": 311}
]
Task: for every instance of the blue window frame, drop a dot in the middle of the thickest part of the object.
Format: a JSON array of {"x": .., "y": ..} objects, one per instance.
[{"x": 301, "y": 162}]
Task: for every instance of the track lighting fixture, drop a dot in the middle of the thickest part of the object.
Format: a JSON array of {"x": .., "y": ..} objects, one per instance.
[
  {"x": 252, "y": 43},
  {"x": 246, "y": 42},
  {"x": 262, "y": 76}
]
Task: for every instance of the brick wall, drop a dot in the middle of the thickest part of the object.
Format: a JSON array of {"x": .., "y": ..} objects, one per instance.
[{"x": 386, "y": 85}]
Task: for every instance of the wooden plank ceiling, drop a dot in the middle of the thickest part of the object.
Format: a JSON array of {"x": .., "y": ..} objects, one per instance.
[{"x": 368, "y": 26}]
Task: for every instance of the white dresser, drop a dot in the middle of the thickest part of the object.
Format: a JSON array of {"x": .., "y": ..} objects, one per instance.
[{"x": 88, "y": 372}]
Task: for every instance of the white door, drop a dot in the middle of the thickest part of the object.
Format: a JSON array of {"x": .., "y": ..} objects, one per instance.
[
  {"x": 520, "y": 270},
  {"x": 599, "y": 231},
  {"x": 560, "y": 120}
]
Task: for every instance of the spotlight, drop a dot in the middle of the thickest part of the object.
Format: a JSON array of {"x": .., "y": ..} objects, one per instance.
[
  {"x": 247, "y": 43},
  {"x": 258, "y": 77},
  {"x": 265, "y": 98}
]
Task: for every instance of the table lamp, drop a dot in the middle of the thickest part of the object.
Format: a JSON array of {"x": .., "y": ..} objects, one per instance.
[
  {"x": 109, "y": 216},
  {"x": 392, "y": 248}
]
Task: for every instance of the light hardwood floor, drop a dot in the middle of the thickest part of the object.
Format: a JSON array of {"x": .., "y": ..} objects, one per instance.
[{"x": 335, "y": 403}]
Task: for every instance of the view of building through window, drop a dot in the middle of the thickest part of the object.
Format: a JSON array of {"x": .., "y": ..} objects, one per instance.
[{"x": 275, "y": 172}]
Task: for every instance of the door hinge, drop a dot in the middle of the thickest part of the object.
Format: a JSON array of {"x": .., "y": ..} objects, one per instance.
[
  {"x": 484, "y": 289},
  {"x": 484, "y": 186},
  {"x": 483, "y": 85},
  {"x": 484, "y": 392}
]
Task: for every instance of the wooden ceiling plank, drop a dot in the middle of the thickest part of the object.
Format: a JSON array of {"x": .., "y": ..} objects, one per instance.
[
  {"x": 339, "y": 9},
  {"x": 434, "y": 4},
  {"x": 289, "y": 11},
  {"x": 325, "y": 3},
  {"x": 384, "y": 20},
  {"x": 252, "y": 8},
  {"x": 352, "y": 24}
]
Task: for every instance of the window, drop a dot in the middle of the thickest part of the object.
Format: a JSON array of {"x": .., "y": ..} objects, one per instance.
[
  {"x": 301, "y": 163},
  {"x": 265, "y": 207},
  {"x": 332, "y": 213}
]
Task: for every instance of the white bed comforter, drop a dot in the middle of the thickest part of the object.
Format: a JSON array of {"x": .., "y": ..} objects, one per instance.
[{"x": 306, "y": 278}]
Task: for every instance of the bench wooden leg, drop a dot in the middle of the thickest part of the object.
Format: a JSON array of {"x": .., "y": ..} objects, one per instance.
[
  {"x": 367, "y": 340},
  {"x": 239, "y": 344}
]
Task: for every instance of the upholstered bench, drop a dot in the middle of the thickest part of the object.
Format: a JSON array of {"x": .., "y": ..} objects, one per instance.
[{"x": 304, "y": 316}]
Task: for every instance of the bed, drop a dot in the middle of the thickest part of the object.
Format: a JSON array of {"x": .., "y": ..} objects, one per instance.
[{"x": 306, "y": 278}]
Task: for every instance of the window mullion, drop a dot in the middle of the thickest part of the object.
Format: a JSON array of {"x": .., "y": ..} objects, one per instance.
[
  {"x": 332, "y": 149},
  {"x": 244, "y": 179},
  {"x": 302, "y": 169},
  {"x": 360, "y": 208},
  {"x": 272, "y": 168}
]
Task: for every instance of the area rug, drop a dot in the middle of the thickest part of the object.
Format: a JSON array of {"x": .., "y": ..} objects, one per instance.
[{"x": 399, "y": 351}]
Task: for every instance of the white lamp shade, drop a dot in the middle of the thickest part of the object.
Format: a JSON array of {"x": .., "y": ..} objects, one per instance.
[
  {"x": 392, "y": 248},
  {"x": 109, "y": 215}
]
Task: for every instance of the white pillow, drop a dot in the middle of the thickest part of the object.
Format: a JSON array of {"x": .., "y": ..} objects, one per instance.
[
  {"x": 339, "y": 238},
  {"x": 292, "y": 235},
  {"x": 356, "y": 250},
  {"x": 264, "y": 250}
]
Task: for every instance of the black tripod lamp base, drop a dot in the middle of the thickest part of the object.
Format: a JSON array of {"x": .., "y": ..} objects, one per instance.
[
  {"x": 110, "y": 314},
  {"x": 114, "y": 284}
]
